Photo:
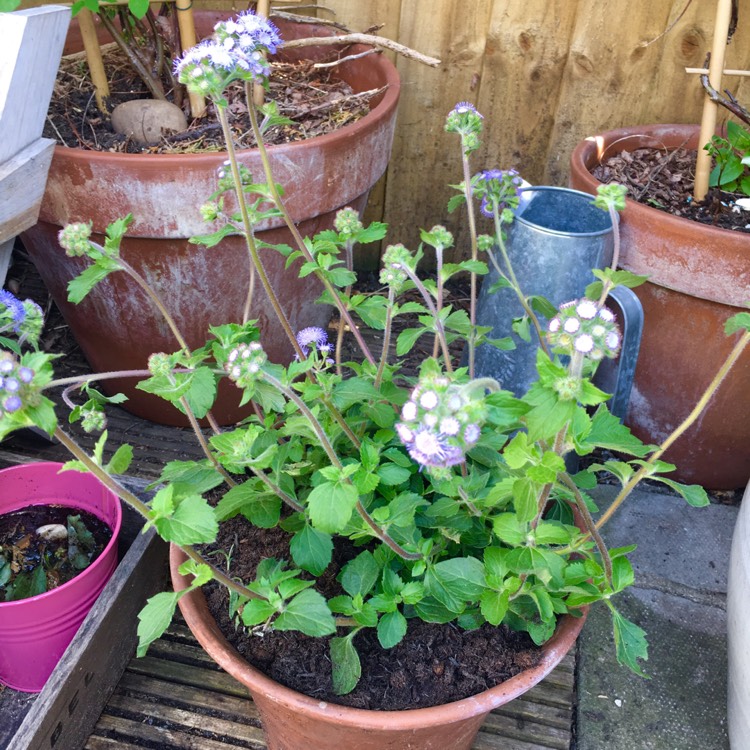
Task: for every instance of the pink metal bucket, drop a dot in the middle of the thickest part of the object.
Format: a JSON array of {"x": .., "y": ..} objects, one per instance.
[{"x": 35, "y": 632}]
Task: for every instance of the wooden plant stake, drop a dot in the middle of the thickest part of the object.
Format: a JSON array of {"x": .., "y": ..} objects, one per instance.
[
  {"x": 93, "y": 57},
  {"x": 710, "y": 108},
  {"x": 188, "y": 39},
  {"x": 263, "y": 8}
]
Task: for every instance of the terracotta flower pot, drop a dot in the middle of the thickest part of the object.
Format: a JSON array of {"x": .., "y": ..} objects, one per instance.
[
  {"x": 293, "y": 721},
  {"x": 699, "y": 276},
  {"x": 116, "y": 325}
]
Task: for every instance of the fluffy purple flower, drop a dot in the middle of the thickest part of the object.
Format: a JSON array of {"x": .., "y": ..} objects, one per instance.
[
  {"x": 14, "y": 307},
  {"x": 313, "y": 336},
  {"x": 463, "y": 108},
  {"x": 12, "y": 403}
]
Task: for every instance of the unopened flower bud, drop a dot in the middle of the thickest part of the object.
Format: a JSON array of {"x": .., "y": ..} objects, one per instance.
[
  {"x": 74, "y": 238},
  {"x": 347, "y": 222}
]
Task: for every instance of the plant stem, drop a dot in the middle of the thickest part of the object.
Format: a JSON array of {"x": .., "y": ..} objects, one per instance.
[
  {"x": 515, "y": 285},
  {"x": 474, "y": 254},
  {"x": 591, "y": 527},
  {"x": 349, "y": 256},
  {"x": 299, "y": 241},
  {"x": 386, "y": 337},
  {"x": 154, "y": 86},
  {"x": 688, "y": 422},
  {"x": 439, "y": 328},
  {"x": 254, "y": 257}
]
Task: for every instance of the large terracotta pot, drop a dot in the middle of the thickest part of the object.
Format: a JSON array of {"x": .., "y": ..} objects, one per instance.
[
  {"x": 116, "y": 325},
  {"x": 738, "y": 629},
  {"x": 293, "y": 721},
  {"x": 698, "y": 277}
]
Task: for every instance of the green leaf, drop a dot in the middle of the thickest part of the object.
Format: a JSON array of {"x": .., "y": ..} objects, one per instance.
[
  {"x": 261, "y": 508},
  {"x": 308, "y": 613},
  {"x": 200, "y": 476},
  {"x": 693, "y": 494},
  {"x": 120, "y": 461},
  {"x": 608, "y": 432},
  {"x": 548, "y": 414},
  {"x": 345, "y": 666},
  {"x": 360, "y": 574},
  {"x": 353, "y": 391},
  {"x": 202, "y": 392},
  {"x": 494, "y": 605},
  {"x": 331, "y": 506},
  {"x": 393, "y": 475},
  {"x": 525, "y": 499},
  {"x": 138, "y": 8},
  {"x": 630, "y": 642},
  {"x": 213, "y": 239},
  {"x": 431, "y": 610},
  {"x": 739, "y": 322},
  {"x": 455, "y": 582},
  {"x": 155, "y": 618},
  {"x": 391, "y": 629},
  {"x": 311, "y": 550},
  {"x": 407, "y": 338},
  {"x": 508, "y": 529},
  {"x": 193, "y": 522},
  {"x": 82, "y": 284},
  {"x": 256, "y": 611}
]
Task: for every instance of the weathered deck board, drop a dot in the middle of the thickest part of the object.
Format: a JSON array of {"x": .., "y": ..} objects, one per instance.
[{"x": 177, "y": 697}]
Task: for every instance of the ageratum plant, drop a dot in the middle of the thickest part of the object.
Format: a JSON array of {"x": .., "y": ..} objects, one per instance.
[{"x": 454, "y": 490}]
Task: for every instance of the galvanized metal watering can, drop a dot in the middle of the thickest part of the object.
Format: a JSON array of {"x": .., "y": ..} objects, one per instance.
[{"x": 557, "y": 237}]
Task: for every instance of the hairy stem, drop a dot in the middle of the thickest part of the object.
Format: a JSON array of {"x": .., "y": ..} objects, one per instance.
[
  {"x": 474, "y": 254},
  {"x": 686, "y": 424},
  {"x": 299, "y": 241}
]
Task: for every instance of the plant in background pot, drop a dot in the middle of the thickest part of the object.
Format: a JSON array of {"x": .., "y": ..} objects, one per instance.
[
  {"x": 406, "y": 500},
  {"x": 698, "y": 277},
  {"x": 200, "y": 286}
]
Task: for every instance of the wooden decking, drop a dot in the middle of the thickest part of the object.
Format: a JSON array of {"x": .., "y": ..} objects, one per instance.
[{"x": 176, "y": 697}]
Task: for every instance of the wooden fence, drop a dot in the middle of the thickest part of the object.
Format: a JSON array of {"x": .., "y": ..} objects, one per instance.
[{"x": 544, "y": 73}]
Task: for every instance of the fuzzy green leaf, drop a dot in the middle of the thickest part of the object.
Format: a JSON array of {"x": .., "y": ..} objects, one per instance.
[
  {"x": 308, "y": 613},
  {"x": 330, "y": 506},
  {"x": 311, "y": 549},
  {"x": 155, "y": 618},
  {"x": 345, "y": 665},
  {"x": 360, "y": 574},
  {"x": 192, "y": 522},
  {"x": 630, "y": 642},
  {"x": 391, "y": 629}
]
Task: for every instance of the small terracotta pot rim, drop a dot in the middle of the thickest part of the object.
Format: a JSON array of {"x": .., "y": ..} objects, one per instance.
[
  {"x": 588, "y": 146},
  {"x": 193, "y": 605}
]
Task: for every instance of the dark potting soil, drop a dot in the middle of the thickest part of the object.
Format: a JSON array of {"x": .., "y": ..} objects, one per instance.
[
  {"x": 31, "y": 563},
  {"x": 665, "y": 180},
  {"x": 433, "y": 664},
  {"x": 315, "y": 99}
]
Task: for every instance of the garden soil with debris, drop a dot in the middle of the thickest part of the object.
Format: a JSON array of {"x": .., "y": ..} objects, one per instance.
[
  {"x": 314, "y": 99},
  {"x": 434, "y": 664},
  {"x": 665, "y": 180}
]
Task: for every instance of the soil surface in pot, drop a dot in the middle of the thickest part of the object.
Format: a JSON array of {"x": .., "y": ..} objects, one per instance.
[
  {"x": 433, "y": 664},
  {"x": 315, "y": 100},
  {"x": 665, "y": 180},
  {"x": 45, "y": 546}
]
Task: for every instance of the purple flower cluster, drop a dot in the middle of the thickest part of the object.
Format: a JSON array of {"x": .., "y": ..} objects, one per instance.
[
  {"x": 581, "y": 326},
  {"x": 467, "y": 122},
  {"x": 15, "y": 380},
  {"x": 313, "y": 338},
  {"x": 237, "y": 49},
  {"x": 12, "y": 313},
  {"x": 440, "y": 422},
  {"x": 497, "y": 188},
  {"x": 25, "y": 319}
]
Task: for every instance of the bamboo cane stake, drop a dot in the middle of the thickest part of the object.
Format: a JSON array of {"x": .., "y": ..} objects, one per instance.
[
  {"x": 263, "y": 8},
  {"x": 93, "y": 57},
  {"x": 710, "y": 108},
  {"x": 188, "y": 39}
]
